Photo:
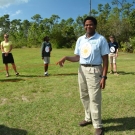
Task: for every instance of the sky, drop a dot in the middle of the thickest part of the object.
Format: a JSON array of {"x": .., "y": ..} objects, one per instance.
[{"x": 25, "y": 9}]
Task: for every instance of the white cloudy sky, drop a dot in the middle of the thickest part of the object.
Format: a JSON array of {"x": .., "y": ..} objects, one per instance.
[
  {"x": 7, "y": 3},
  {"x": 6, "y": 7}
]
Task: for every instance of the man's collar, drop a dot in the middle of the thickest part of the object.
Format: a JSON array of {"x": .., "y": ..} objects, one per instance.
[{"x": 91, "y": 36}]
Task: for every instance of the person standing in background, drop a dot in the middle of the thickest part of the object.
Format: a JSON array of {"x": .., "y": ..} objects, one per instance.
[
  {"x": 46, "y": 49},
  {"x": 6, "y": 48},
  {"x": 113, "y": 45}
]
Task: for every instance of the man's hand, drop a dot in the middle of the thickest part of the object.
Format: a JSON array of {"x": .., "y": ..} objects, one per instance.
[
  {"x": 102, "y": 83},
  {"x": 61, "y": 62}
]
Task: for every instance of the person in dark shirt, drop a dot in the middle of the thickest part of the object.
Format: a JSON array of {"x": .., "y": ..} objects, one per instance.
[
  {"x": 46, "y": 49},
  {"x": 113, "y": 45}
]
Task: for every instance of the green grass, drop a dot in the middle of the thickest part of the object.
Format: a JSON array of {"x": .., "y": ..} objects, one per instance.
[{"x": 32, "y": 104}]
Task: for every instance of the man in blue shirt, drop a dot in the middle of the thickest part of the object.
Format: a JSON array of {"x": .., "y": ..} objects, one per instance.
[
  {"x": 91, "y": 51},
  {"x": 113, "y": 45}
]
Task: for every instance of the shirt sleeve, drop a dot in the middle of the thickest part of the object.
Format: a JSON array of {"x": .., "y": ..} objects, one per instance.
[
  {"x": 1, "y": 43},
  {"x": 117, "y": 45},
  {"x": 76, "y": 51},
  {"x": 50, "y": 47},
  {"x": 42, "y": 49},
  {"x": 104, "y": 47}
]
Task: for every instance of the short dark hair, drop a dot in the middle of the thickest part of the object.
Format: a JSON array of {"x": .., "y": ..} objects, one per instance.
[
  {"x": 111, "y": 36},
  {"x": 90, "y": 18},
  {"x": 44, "y": 39}
]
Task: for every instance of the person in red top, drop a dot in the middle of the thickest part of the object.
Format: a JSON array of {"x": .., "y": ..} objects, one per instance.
[{"x": 6, "y": 48}]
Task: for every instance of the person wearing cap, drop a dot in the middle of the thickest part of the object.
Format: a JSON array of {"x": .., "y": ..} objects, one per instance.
[
  {"x": 46, "y": 49},
  {"x": 6, "y": 48},
  {"x": 113, "y": 45},
  {"x": 91, "y": 51}
]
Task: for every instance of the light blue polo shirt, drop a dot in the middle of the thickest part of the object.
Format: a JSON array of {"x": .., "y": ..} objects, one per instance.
[{"x": 98, "y": 46}]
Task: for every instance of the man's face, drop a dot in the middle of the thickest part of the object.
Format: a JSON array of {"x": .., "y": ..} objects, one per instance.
[
  {"x": 111, "y": 39},
  {"x": 47, "y": 39},
  {"x": 90, "y": 27}
]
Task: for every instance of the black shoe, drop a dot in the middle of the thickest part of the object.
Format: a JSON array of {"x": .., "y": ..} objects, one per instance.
[
  {"x": 46, "y": 74},
  {"x": 17, "y": 74},
  {"x": 84, "y": 123},
  {"x": 99, "y": 131}
]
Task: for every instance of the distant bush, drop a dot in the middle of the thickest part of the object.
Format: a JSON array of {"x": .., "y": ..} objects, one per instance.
[{"x": 128, "y": 46}]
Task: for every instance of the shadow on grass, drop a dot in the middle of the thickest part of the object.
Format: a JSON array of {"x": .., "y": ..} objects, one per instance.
[
  {"x": 11, "y": 131},
  {"x": 125, "y": 73},
  {"x": 65, "y": 74},
  {"x": 31, "y": 76},
  {"x": 120, "y": 124},
  {"x": 11, "y": 80},
  {"x": 62, "y": 74}
]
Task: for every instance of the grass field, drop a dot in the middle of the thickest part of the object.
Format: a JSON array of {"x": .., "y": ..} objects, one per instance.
[{"x": 32, "y": 104}]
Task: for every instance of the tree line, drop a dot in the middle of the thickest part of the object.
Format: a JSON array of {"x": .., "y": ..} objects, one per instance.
[{"x": 117, "y": 18}]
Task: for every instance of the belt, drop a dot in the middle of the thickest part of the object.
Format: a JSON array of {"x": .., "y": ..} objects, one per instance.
[{"x": 89, "y": 65}]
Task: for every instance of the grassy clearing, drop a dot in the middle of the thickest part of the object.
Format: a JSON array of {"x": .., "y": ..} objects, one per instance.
[{"x": 32, "y": 104}]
